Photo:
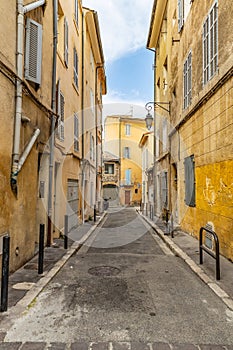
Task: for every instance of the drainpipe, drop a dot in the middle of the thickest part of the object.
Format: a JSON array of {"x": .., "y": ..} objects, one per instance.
[
  {"x": 82, "y": 106},
  {"x": 18, "y": 102},
  {"x": 96, "y": 133},
  {"x": 33, "y": 5},
  {"x": 28, "y": 149},
  {"x": 52, "y": 130}
]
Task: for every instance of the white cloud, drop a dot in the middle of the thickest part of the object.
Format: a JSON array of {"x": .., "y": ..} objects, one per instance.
[{"x": 124, "y": 25}]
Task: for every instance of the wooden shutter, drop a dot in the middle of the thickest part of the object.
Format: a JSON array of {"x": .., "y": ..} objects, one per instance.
[
  {"x": 189, "y": 169},
  {"x": 33, "y": 51},
  {"x": 76, "y": 133},
  {"x": 66, "y": 42}
]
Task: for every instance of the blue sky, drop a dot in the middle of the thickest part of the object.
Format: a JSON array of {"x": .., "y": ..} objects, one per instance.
[{"x": 124, "y": 27}]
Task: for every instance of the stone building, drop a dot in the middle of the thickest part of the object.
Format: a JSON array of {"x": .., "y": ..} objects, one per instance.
[
  {"x": 111, "y": 167},
  {"x": 44, "y": 152},
  {"x": 194, "y": 75}
]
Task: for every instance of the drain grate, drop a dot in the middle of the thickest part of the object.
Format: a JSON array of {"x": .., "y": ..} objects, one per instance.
[{"x": 104, "y": 271}]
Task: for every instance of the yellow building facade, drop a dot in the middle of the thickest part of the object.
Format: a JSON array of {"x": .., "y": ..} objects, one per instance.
[
  {"x": 199, "y": 83},
  {"x": 122, "y": 135},
  {"x": 45, "y": 133}
]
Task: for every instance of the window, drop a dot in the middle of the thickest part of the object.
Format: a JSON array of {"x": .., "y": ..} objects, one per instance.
[
  {"x": 126, "y": 152},
  {"x": 76, "y": 11},
  {"x": 75, "y": 68},
  {"x": 127, "y": 129},
  {"x": 187, "y": 81},
  {"x": 164, "y": 146},
  {"x": 60, "y": 112},
  {"x": 164, "y": 189},
  {"x": 189, "y": 170},
  {"x": 76, "y": 133},
  {"x": 33, "y": 51},
  {"x": 180, "y": 14},
  {"x": 109, "y": 169},
  {"x": 66, "y": 41},
  {"x": 92, "y": 100},
  {"x": 92, "y": 147},
  {"x": 128, "y": 176},
  {"x": 92, "y": 60},
  {"x": 210, "y": 44}
]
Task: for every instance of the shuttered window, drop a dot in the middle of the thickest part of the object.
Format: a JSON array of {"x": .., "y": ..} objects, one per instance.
[
  {"x": 210, "y": 44},
  {"x": 128, "y": 174},
  {"x": 75, "y": 68},
  {"x": 189, "y": 170},
  {"x": 76, "y": 11},
  {"x": 66, "y": 41},
  {"x": 33, "y": 51},
  {"x": 187, "y": 81},
  {"x": 126, "y": 152},
  {"x": 164, "y": 189},
  {"x": 180, "y": 14},
  {"x": 76, "y": 133},
  {"x": 61, "y": 113}
]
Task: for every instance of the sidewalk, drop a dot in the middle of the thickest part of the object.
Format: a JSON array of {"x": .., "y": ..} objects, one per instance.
[
  {"x": 25, "y": 283},
  {"x": 187, "y": 248}
]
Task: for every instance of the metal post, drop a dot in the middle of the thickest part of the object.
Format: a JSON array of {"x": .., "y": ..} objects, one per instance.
[
  {"x": 66, "y": 232},
  {"x": 5, "y": 272},
  {"x": 41, "y": 250},
  {"x": 94, "y": 213}
]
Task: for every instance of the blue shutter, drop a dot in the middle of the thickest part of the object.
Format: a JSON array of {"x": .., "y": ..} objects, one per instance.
[{"x": 189, "y": 169}]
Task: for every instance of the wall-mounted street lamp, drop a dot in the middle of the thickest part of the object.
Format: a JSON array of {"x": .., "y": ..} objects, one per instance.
[{"x": 149, "y": 106}]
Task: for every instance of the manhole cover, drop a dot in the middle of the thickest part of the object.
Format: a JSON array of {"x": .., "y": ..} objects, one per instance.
[{"x": 104, "y": 271}]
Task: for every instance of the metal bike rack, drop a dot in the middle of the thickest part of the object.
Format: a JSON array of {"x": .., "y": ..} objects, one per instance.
[{"x": 215, "y": 254}]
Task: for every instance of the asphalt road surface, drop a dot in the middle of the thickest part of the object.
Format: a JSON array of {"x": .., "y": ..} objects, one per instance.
[{"x": 124, "y": 285}]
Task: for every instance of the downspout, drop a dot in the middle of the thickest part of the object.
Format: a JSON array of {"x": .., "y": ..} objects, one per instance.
[
  {"x": 82, "y": 106},
  {"x": 96, "y": 134},
  {"x": 28, "y": 149},
  {"x": 33, "y": 5},
  {"x": 18, "y": 102},
  {"x": 52, "y": 131}
]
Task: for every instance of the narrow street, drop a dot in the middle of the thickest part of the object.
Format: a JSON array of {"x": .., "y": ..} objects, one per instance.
[{"x": 124, "y": 289}]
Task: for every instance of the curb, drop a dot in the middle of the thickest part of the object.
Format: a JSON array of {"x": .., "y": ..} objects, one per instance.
[
  {"x": 227, "y": 300},
  {"x": 31, "y": 295}
]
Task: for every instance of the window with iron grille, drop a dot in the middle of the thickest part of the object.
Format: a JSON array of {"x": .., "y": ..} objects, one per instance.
[
  {"x": 187, "y": 88},
  {"x": 210, "y": 44},
  {"x": 190, "y": 187},
  {"x": 33, "y": 51},
  {"x": 76, "y": 133},
  {"x": 66, "y": 42},
  {"x": 75, "y": 68}
]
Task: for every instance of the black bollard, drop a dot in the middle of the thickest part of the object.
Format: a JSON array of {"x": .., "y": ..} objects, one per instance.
[
  {"x": 5, "y": 272},
  {"x": 41, "y": 250},
  {"x": 66, "y": 232},
  {"x": 94, "y": 213}
]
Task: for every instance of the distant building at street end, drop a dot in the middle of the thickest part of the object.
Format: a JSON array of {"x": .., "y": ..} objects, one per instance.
[
  {"x": 122, "y": 135},
  {"x": 111, "y": 167}
]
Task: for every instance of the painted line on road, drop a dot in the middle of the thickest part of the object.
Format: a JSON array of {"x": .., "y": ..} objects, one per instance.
[{"x": 226, "y": 299}]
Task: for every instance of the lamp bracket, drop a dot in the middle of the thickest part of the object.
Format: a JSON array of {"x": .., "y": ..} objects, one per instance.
[{"x": 149, "y": 106}]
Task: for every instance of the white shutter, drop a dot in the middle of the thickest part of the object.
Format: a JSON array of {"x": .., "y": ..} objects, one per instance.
[
  {"x": 33, "y": 51},
  {"x": 66, "y": 40}
]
